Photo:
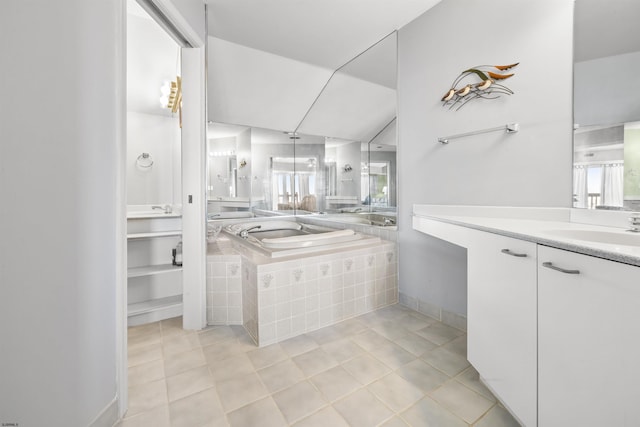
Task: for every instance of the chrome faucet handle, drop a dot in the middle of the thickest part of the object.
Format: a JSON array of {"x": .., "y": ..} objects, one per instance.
[
  {"x": 168, "y": 209},
  {"x": 634, "y": 221},
  {"x": 245, "y": 233}
]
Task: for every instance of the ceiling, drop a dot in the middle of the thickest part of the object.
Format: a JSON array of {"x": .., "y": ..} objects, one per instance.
[
  {"x": 606, "y": 28},
  {"x": 327, "y": 33}
]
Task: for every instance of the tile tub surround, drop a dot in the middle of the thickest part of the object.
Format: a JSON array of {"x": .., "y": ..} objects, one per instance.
[
  {"x": 376, "y": 369},
  {"x": 224, "y": 285},
  {"x": 283, "y": 299},
  {"x": 300, "y": 296}
]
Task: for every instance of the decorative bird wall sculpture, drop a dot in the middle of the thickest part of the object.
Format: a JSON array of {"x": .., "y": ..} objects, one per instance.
[{"x": 487, "y": 88}]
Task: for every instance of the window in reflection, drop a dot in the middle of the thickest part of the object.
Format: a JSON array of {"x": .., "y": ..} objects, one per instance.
[{"x": 294, "y": 184}]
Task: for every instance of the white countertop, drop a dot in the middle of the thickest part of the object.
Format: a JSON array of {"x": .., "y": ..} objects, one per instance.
[{"x": 546, "y": 226}]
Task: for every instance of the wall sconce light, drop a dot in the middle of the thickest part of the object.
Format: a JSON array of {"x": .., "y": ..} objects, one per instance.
[
  {"x": 347, "y": 168},
  {"x": 171, "y": 96},
  {"x": 243, "y": 163}
]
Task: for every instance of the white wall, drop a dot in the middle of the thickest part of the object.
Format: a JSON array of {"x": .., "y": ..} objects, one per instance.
[
  {"x": 152, "y": 60},
  {"x": 606, "y": 90},
  {"x": 160, "y": 137},
  {"x": 255, "y": 88},
  {"x": 350, "y": 108},
  {"x": 60, "y": 213},
  {"x": 530, "y": 168}
]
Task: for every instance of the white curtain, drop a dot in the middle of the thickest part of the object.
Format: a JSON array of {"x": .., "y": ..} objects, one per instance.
[
  {"x": 612, "y": 184},
  {"x": 303, "y": 189},
  {"x": 580, "y": 195}
]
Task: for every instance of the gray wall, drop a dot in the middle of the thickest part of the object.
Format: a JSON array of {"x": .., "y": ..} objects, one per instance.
[
  {"x": 606, "y": 90},
  {"x": 530, "y": 168},
  {"x": 62, "y": 190}
]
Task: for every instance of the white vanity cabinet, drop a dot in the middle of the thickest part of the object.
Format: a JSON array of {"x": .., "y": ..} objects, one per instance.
[
  {"x": 588, "y": 341},
  {"x": 501, "y": 312}
]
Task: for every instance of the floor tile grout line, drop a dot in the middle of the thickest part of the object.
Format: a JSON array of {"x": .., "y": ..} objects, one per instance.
[
  {"x": 393, "y": 336},
  {"x": 469, "y": 388},
  {"x": 484, "y": 414}
]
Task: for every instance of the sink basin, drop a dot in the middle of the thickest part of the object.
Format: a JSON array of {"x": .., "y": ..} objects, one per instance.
[{"x": 606, "y": 237}]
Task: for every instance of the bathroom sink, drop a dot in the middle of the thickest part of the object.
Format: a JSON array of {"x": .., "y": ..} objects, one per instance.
[{"x": 607, "y": 237}]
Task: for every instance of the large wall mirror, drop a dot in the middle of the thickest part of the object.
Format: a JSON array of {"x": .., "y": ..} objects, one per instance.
[
  {"x": 606, "y": 168},
  {"x": 339, "y": 157}
]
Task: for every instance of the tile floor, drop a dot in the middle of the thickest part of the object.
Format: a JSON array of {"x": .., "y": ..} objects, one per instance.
[{"x": 392, "y": 367}]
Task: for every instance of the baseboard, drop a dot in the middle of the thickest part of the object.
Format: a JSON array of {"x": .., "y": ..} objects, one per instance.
[
  {"x": 108, "y": 417},
  {"x": 458, "y": 321}
]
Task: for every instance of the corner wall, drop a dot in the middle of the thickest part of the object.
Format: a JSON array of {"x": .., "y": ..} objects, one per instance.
[
  {"x": 530, "y": 168},
  {"x": 60, "y": 178}
]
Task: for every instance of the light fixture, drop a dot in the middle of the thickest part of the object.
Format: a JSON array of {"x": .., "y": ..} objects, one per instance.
[
  {"x": 171, "y": 96},
  {"x": 222, "y": 153},
  {"x": 165, "y": 90},
  {"x": 175, "y": 97}
]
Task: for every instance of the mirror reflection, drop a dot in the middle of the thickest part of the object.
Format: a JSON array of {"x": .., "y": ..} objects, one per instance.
[
  {"x": 340, "y": 159},
  {"x": 254, "y": 171},
  {"x": 606, "y": 166}
]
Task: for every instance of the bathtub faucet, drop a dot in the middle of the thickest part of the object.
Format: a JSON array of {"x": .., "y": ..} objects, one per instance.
[
  {"x": 245, "y": 232},
  {"x": 634, "y": 222}
]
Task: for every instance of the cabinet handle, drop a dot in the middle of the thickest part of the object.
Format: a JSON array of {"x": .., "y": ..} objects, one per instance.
[
  {"x": 563, "y": 270},
  {"x": 508, "y": 252}
]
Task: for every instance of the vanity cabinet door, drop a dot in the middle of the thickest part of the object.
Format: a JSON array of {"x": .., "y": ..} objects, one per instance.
[
  {"x": 502, "y": 319},
  {"x": 589, "y": 341}
]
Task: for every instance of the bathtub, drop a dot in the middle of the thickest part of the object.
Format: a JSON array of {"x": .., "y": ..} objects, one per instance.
[{"x": 289, "y": 238}]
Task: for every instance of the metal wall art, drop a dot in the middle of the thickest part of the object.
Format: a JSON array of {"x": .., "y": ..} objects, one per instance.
[{"x": 483, "y": 85}]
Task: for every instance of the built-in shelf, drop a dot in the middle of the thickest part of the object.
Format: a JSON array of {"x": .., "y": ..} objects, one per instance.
[
  {"x": 152, "y": 215},
  {"x": 150, "y": 270},
  {"x": 168, "y": 303},
  {"x": 154, "y": 285},
  {"x": 151, "y": 235}
]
